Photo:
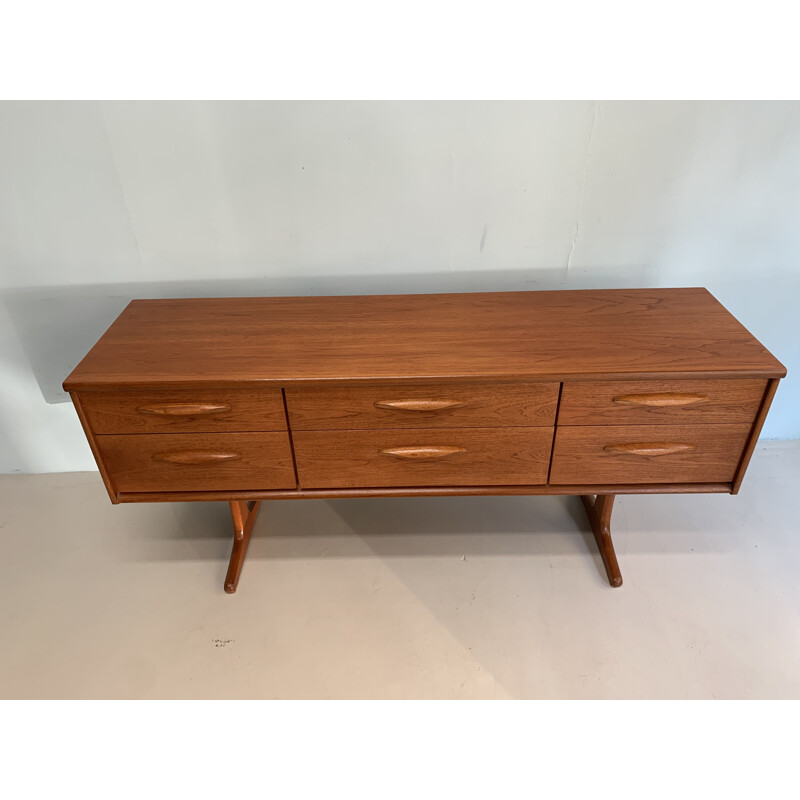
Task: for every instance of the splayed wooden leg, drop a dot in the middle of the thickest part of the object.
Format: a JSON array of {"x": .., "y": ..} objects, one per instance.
[
  {"x": 244, "y": 517},
  {"x": 598, "y": 509}
]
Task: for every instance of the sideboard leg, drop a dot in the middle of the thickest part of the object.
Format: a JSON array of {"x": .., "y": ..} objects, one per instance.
[
  {"x": 244, "y": 517},
  {"x": 598, "y": 510}
]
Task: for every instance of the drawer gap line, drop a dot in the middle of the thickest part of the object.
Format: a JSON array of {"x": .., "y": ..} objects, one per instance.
[
  {"x": 291, "y": 440},
  {"x": 555, "y": 429}
]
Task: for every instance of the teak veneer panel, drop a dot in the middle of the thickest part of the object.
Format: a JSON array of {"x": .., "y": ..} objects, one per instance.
[
  {"x": 629, "y": 454},
  {"x": 772, "y": 387},
  {"x": 498, "y": 335},
  {"x": 198, "y": 410},
  {"x": 175, "y": 462},
  {"x": 458, "y": 457},
  {"x": 657, "y": 402},
  {"x": 398, "y": 405}
]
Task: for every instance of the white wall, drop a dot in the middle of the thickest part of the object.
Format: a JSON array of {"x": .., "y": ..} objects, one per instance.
[{"x": 102, "y": 202}]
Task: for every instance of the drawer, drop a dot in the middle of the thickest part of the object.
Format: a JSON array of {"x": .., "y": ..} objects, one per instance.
[
  {"x": 632, "y": 454},
  {"x": 153, "y": 462},
  {"x": 422, "y": 457},
  {"x": 652, "y": 402},
  {"x": 401, "y": 405},
  {"x": 193, "y": 410}
]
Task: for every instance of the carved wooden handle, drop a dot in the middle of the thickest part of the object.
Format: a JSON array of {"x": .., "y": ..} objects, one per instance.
[
  {"x": 649, "y": 448},
  {"x": 183, "y": 409},
  {"x": 660, "y": 399},
  {"x": 421, "y": 452},
  {"x": 418, "y": 405},
  {"x": 195, "y": 457}
]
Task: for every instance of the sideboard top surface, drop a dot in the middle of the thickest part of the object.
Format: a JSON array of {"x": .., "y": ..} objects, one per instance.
[{"x": 537, "y": 335}]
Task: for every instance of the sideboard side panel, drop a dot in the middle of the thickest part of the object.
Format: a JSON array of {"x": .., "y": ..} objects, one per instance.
[
  {"x": 772, "y": 387},
  {"x": 110, "y": 488}
]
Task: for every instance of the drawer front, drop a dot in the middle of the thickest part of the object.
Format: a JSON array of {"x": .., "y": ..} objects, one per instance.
[
  {"x": 422, "y": 457},
  {"x": 401, "y": 405},
  {"x": 633, "y": 454},
  {"x": 654, "y": 402},
  {"x": 198, "y": 462},
  {"x": 191, "y": 410}
]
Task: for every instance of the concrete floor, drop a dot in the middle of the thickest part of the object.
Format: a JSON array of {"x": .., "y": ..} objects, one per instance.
[{"x": 402, "y": 598}]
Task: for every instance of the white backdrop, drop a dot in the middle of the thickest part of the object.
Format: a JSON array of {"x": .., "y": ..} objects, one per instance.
[{"x": 103, "y": 202}]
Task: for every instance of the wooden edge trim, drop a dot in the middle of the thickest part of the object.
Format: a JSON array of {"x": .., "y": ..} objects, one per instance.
[
  {"x": 758, "y": 424},
  {"x": 112, "y": 492},
  {"x": 443, "y": 491},
  {"x": 157, "y": 382}
]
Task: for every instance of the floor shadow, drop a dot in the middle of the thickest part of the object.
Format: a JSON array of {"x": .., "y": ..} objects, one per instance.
[
  {"x": 394, "y": 527},
  {"x": 431, "y": 527}
]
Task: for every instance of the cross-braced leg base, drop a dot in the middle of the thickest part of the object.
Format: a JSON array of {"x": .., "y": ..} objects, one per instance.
[
  {"x": 598, "y": 509},
  {"x": 244, "y": 517}
]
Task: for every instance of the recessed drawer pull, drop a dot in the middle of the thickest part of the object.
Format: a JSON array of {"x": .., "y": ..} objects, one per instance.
[
  {"x": 661, "y": 399},
  {"x": 421, "y": 452},
  {"x": 649, "y": 448},
  {"x": 418, "y": 405},
  {"x": 196, "y": 457},
  {"x": 183, "y": 409}
]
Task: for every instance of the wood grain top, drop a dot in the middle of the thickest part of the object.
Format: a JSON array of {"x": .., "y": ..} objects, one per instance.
[{"x": 617, "y": 333}]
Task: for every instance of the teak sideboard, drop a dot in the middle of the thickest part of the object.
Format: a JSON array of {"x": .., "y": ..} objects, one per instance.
[{"x": 591, "y": 393}]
